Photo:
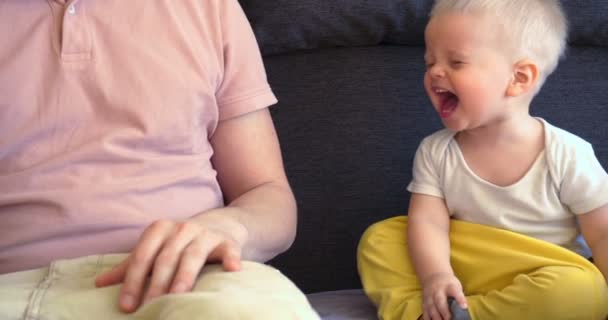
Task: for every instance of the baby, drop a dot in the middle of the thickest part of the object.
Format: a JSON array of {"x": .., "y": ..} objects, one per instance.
[{"x": 502, "y": 202}]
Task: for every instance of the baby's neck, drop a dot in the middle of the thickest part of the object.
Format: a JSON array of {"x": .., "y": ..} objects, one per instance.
[
  {"x": 504, "y": 153},
  {"x": 515, "y": 129}
]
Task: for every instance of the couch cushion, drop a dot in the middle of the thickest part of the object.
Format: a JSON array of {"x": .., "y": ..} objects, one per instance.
[
  {"x": 588, "y": 22},
  {"x": 343, "y": 305},
  {"x": 287, "y": 25}
]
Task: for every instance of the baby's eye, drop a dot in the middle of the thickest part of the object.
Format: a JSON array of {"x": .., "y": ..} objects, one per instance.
[
  {"x": 457, "y": 63},
  {"x": 429, "y": 64}
]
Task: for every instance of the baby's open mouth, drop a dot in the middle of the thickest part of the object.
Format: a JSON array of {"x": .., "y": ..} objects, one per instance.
[{"x": 448, "y": 102}]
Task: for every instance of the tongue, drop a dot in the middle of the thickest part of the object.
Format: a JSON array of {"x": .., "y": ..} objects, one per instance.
[{"x": 448, "y": 106}]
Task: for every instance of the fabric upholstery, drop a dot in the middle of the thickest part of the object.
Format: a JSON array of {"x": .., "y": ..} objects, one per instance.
[{"x": 287, "y": 25}]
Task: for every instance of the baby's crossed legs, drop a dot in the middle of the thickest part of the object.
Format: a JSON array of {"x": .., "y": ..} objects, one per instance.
[{"x": 505, "y": 275}]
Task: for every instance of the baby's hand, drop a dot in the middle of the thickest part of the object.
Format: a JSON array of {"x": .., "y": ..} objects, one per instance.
[{"x": 435, "y": 292}]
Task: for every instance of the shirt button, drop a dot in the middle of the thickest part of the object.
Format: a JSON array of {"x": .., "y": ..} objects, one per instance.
[{"x": 72, "y": 9}]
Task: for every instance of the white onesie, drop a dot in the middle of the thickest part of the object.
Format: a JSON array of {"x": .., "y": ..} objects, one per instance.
[{"x": 565, "y": 180}]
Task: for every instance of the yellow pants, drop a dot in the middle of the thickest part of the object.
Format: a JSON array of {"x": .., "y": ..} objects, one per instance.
[{"x": 505, "y": 275}]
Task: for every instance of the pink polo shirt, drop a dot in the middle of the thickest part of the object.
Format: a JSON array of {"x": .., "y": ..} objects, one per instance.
[{"x": 106, "y": 110}]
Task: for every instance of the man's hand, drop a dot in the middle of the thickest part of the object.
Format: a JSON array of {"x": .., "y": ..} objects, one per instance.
[
  {"x": 171, "y": 254},
  {"x": 435, "y": 292}
]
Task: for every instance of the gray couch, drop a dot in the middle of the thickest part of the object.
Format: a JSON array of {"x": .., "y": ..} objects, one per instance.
[{"x": 352, "y": 110}]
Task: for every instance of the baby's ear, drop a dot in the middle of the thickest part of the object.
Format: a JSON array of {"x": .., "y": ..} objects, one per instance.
[{"x": 524, "y": 78}]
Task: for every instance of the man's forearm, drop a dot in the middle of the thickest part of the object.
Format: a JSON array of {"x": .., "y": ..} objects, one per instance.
[{"x": 262, "y": 219}]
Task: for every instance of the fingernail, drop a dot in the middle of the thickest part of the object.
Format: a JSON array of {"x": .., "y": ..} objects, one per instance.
[{"x": 127, "y": 301}]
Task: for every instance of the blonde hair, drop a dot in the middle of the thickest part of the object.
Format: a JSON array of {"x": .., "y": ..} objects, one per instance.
[{"x": 537, "y": 28}]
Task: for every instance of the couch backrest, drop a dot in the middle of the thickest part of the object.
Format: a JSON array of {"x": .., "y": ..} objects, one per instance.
[{"x": 283, "y": 26}]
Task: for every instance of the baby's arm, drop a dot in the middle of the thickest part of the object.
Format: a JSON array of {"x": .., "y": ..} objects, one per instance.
[
  {"x": 594, "y": 226},
  {"x": 429, "y": 246}
]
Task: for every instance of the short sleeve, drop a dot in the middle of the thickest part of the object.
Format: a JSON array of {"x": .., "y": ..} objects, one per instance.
[
  {"x": 584, "y": 186},
  {"x": 425, "y": 173},
  {"x": 244, "y": 86}
]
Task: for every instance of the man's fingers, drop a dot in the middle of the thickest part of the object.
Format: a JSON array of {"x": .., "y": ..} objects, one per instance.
[
  {"x": 197, "y": 254},
  {"x": 231, "y": 257},
  {"x": 162, "y": 274},
  {"x": 192, "y": 260},
  {"x": 114, "y": 276},
  {"x": 168, "y": 260},
  {"x": 228, "y": 253},
  {"x": 140, "y": 264},
  {"x": 172, "y": 254}
]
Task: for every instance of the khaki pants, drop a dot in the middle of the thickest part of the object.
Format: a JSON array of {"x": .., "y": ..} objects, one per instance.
[
  {"x": 66, "y": 291},
  {"x": 505, "y": 275}
]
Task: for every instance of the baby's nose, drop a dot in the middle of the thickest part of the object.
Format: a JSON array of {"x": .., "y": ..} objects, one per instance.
[{"x": 436, "y": 71}]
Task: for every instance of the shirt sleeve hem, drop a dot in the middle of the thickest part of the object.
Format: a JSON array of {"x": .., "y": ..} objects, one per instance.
[
  {"x": 256, "y": 100},
  {"x": 589, "y": 206},
  {"x": 421, "y": 189}
]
